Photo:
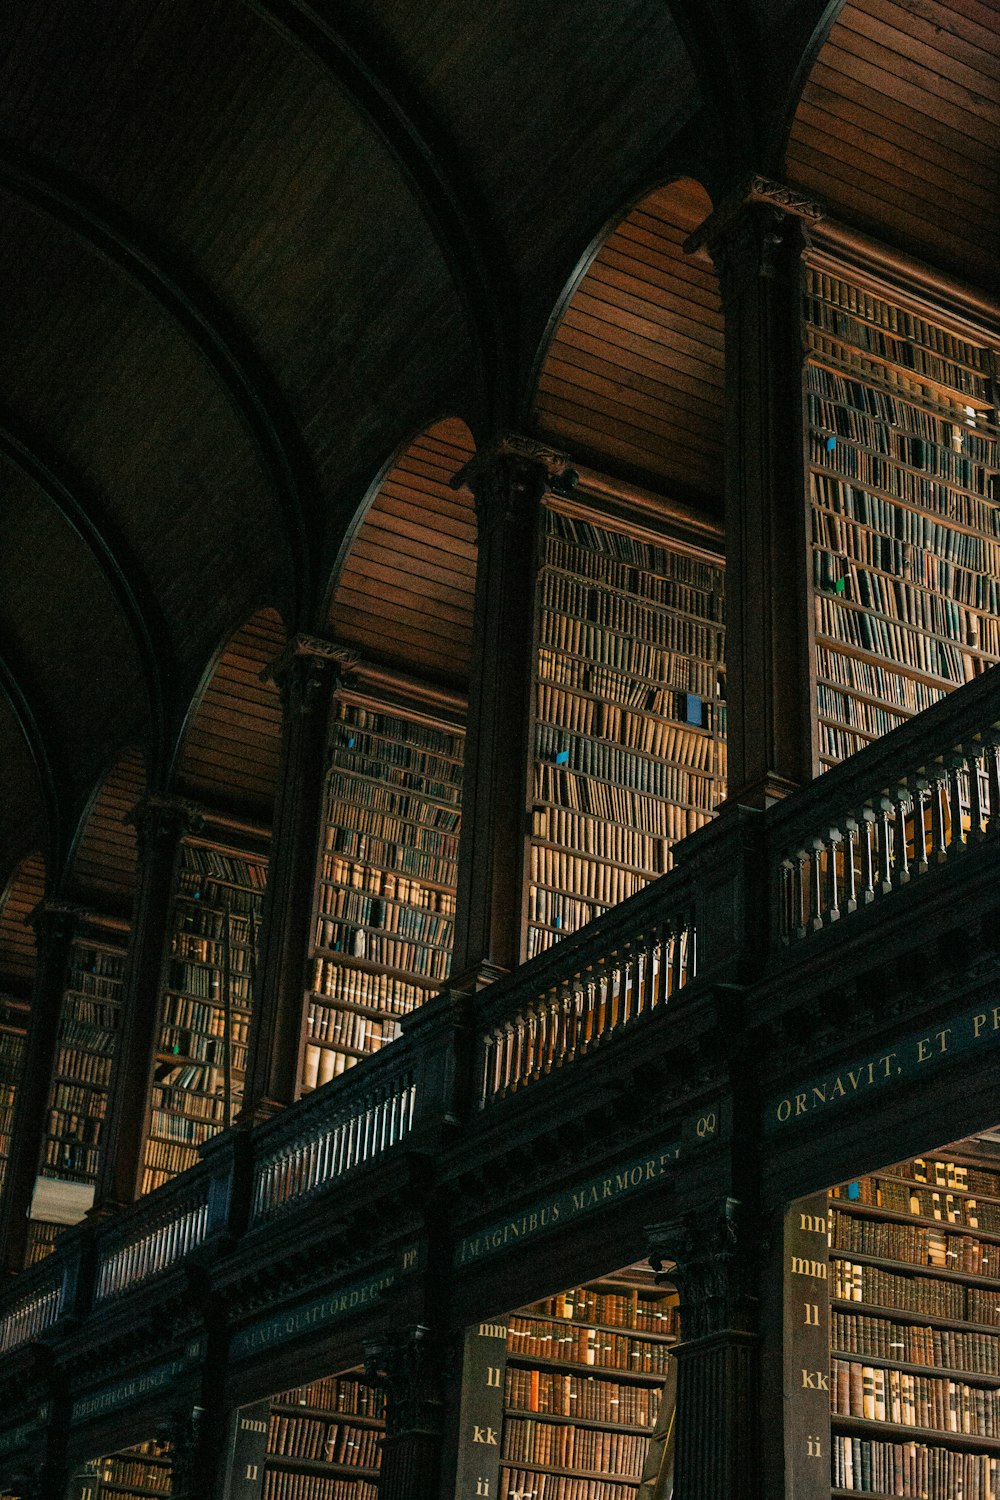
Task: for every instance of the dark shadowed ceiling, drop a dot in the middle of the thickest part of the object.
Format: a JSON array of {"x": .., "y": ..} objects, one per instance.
[{"x": 251, "y": 247}]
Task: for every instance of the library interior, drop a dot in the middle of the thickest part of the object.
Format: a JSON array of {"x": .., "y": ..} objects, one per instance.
[{"x": 500, "y": 745}]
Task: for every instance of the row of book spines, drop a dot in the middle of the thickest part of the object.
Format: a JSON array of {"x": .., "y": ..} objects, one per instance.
[
  {"x": 421, "y": 922},
  {"x": 899, "y": 600},
  {"x": 916, "y": 355},
  {"x": 621, "y": 685},
  {"x": 216, "y": 954},
  {"x": 331, "y": 1442},
  {"x": 208, "y": 983},
  {"x": 350, "y": 774},
  {"x": 896, "y": 642},
  {"x": 346, "y": 1397},
  {"x": 85, "y": 1067},
  {"x": 182, "y": 1076},
  {"x": 916, "y": 1244},
  {"x": 580, "y": 593},
  {"x": 374, "y": 836},
  {"x": 549, "y": 1393},
  {"x": 896, "y": 540},
  {"x": 101, "y": 986},
  {"x": 623, "y": 846},
  {"x": 87, "y": 1035},
  {"x": 581, "y": 776},
  {"x": 520, "y": 1484},
  {"x": 877, "y": 680},
  {"x": 531, "y": 1338},
  {"x": 953, "y": 523},
  {"x": 562, "y": 1446},
  {"x": 879, "y": 1395},
  {"x": 284, "y": 1484},
  {"x": 384, "y": 750},
  {"x": 375, "y": 859},
  {"x": 194, "y": 1106},
  {"x": 828, "y": 292},
  {"x": 882, "y": 1468},
  {"x": 659, "y": 666},
  {"x": 193, "y": 1015},
  {"x": 660, "y": 739},
  {"x": 953, "y": 487},
  {"x": 386, "y": 885},
  {"x": 337, "y": 978},
  {"x": 404, "y": 954},
  {"x": 349, "y": 1028},
  {"x": 79, "y": 1126},
  {"x": 195, "y": 1046},
  {"x": 72, "y": 1158},
  {"x": 597, "y": 551},
  {"x": 168, "y": 1157},
  {"x": 572, "y": 610},
  {"x": 165, "y": 1125},
  {"x": 628, "y": 1310},
  {"x": 351, "y": 797},
  {"x": 121, "y": 1471},
  {"x": 874, "y": 416},
  {"x": 571, "y": 750},
  {"x": 905, "y": 1343},
  {"x": 835, "y": 352},
  {"x": 957, "y": 1207},
  {"x": 585, "y": 877},
  {"x": 408, "y": 732},
  {"x": 849, "y": 712},
  {"x": 202, "y": 918},
  {"x": 853, "y": 1282},
  {"x": 320, "y": 1064},
  {"x": 197, "y": 859}
]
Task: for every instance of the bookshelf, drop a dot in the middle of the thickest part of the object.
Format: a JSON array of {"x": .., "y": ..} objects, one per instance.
[
  {"x": 324, "y": 1441},
  {"x": 585, "y": 1372},
  {"x": 13, "y": 1027},
  {"x": 915, "y": 1327},
  {"x": 141, "y": 1471},
  {"x": 903, "y": 465},
  {"x": 385, "y": 888},
  {"x": 206, "y": 1000},
  {"x": 628, "y": 752}
]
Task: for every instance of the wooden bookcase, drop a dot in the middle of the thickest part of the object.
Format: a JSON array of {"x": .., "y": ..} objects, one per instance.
[
  {"x": 628, "y": 735},
  {"x": 132, "y": 1474},
  {"x": 206, "y": 1002},
  {"x": 13, "y": 1028},
  {"x": 585, "y": 1371},
  {"x": 89, "y": 1025},
  {"x": 915, "y": 1328},
  {"x": 385, "y": 888},
  {"x": 324, "y": 1441},
  {"x": 903, "y": 464}
]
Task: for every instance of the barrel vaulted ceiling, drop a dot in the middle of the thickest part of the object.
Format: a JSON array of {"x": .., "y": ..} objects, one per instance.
[{"x": 266, "y": 261}]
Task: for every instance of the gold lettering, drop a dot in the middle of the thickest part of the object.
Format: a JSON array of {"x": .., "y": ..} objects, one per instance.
[
  {"x": 800, "y": 1104},
  {"x": 811, "y": 1319},
  {"x": 484, "y": 1435},
  {"x": 923, "y": 1049},
  {"x": 492, "y": 1376},
  {"x": 786, "y": 1106},
  {"x": 978, "y": 1022},
  {"x": 942, "y": 1037},
  {"x": 819, "y": 1094}
]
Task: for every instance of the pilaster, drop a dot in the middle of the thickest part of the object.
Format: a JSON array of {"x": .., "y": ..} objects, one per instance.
[
  {"x": 161, "y": 823},
  {"x": 508, "y": 481},
  {"x": 307, "y": 672},
  {"x": 715, "y": 1269},
  {"x": 756, "y": 240},
  {"x": 54, "y": 923},
  {"x": 410, "y": 1370}
]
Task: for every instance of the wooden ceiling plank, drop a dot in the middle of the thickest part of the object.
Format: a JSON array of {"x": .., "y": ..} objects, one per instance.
[
  {"x": 616, "y": 327},
  {"x": 632, "y": 414},
  {"x": 628, "y": 258},
  {"x": 912, "y": 86},
  {"x": 664, "y": 320},
  {"x": 683, "y": 313},
  {"x": 566, "y": 378},
  {"x": 691, "y": 396},
  {"x": 907, "y": 33},
  {"x": 654, "y": 361},
  {"x": 427, "y": 582},
  {"x": 662, "y": 464}
]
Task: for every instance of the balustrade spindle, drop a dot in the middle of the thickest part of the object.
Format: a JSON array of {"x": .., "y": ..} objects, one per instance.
[
  {"x": 833, "y": 840},
  {"x": 939, "y": 838},
  {"x": 865, "y": 831},
  {"x": 955, "y": 770},
  {"x": 973, "y": 758},
  {"x": 901, "y": 807},
  {"x": 816, "y": 885},
  {"x": 919, "y": 795},
  {"x": 991, "y": 745},
  {"x": 884, "y": 844}
]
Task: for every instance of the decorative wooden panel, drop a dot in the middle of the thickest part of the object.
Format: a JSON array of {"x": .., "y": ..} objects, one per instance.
[
  {"x": 105, "y": 862},
  {"x": 405, "y": 591},
  {"x": 635, "y": 368},
  {"x": 898, "y": 124},
  {"x": 233, "y": 740},
  {"x": 17, "y": 938}
]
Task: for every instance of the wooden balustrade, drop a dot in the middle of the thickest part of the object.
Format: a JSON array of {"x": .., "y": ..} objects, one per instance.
[
  {"x": 341, "y": 1126},
  {"x": 34, "y": 1303},
  {"x": 610, "y": 975},
  {"x": 920, "y": 798},
  {"x": 157, "y": 1233}
]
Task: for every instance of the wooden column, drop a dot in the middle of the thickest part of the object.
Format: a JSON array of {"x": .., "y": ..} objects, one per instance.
[
  {"x": 307, "y": 673},
  {"x": 410, "y": 1370},
  {"x": 54, "y": 923},
  {"x": 508, "y": 482},
  {"x": 161, "y": 823},
  {"x": 718, "y": 1366},
  {"x": 756, "y": 240}
]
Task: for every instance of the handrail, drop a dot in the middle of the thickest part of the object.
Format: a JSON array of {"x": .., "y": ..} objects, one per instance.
[
  {"x": 587, "y": 988},
  {"x": 340, "y": 1126},
  {"x": 33, "y": 1303},
  {"x": 156, "y": 1233},
  {"x": 919, "y": 797}
]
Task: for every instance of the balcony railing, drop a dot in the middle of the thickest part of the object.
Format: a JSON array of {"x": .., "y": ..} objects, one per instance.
[
  {"x": 924, "y": 797},
  {"x": 917, "y": 799},
  {"x": 565, "y": 1003}
]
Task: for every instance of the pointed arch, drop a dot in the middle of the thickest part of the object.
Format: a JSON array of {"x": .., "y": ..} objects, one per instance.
[
  {"x": 896, "y": 128},
  {"x": 405, "y": 580},
  {"x": 630, "y": 376},
  {"x": 102, "y": 866},
  {"x": 228, "y": 751}
]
